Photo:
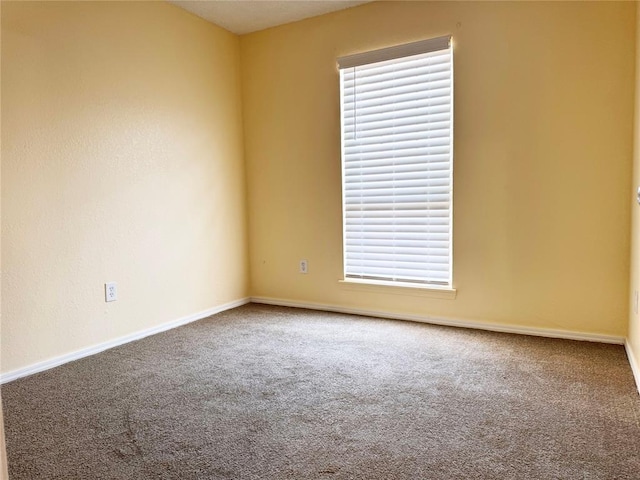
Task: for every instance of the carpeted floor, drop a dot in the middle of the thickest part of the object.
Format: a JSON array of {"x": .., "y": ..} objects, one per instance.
[{"x": 263, "y": 392}]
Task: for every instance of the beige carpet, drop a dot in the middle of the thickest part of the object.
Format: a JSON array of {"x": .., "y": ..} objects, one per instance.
[{"x": 264, "y": 392}]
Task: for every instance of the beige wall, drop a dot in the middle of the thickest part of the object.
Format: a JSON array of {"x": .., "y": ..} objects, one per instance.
[
  {"x": 543, "y": 109},
  {"x": 4, "y": 473},
  {"x": 121, "y": 161},
  {"x": 634, "y": 317}
]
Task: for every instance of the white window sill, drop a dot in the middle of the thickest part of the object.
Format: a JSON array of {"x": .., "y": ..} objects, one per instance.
[{"x": 396, "y": 288}]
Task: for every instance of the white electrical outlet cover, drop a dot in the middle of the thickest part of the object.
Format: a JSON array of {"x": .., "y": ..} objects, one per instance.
[{"x": 110, "y": 292}]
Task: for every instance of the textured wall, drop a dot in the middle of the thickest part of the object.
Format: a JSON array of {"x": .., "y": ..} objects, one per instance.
[
  {"x": 121, "y": 161},
  {"x": 542, "y": 155},
  {"x": 634, "y": 316},
  {"x": 3, "y": 452}
]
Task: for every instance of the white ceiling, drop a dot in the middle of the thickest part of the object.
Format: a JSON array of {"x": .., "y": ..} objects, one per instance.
[{"x": 246, "y": 16}]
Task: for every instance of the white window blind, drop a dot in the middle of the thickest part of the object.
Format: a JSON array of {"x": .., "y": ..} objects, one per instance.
[{"x": 397, "y": 141}]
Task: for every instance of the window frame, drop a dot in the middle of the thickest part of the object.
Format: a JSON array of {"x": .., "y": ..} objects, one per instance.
[{"x": 399, "y": 52}]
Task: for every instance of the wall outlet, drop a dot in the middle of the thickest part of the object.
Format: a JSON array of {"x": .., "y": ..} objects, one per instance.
[
  {"x": 304, "y": 266},
  {"x": 110, "y": 292}
]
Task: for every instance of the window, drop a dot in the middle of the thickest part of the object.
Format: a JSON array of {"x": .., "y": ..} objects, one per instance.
[{"x": 397, "y": 145}]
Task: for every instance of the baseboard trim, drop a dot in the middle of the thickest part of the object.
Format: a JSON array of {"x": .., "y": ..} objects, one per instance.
[
  {"x": 540, "y": 332},
  {"x": 635, "y": 368},
  {"x": 85, "y": 352},
  {"x": 450, "y": 322}
]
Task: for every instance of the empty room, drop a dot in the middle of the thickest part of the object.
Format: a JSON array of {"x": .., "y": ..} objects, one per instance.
[{"x": 320, "y": 240}]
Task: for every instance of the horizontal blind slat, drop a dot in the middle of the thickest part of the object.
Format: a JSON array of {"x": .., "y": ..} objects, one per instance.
[
  {"x": 378, "y": 68},
  {"x": 381, "y": 111},
  {"x": 395, "y": 84},
  {"x": 401, "y": 163},
  {"x": 427, "y": 98}
]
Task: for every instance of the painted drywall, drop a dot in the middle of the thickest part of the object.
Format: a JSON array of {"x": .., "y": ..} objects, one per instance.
[
  {"x": 4, "y": 470},
  {"x": 543, "y": 151},
  {"x": 121, "y": 161},
  {"x": 633, "y": 338}
]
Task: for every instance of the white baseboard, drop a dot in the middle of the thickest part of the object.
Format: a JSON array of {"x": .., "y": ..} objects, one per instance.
[
  {"x": 451, "y": 322},
  {"x": 635, "y": 368},
  {"x": 85, "y": 352},
  {"x": 541, "y": 332}
]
